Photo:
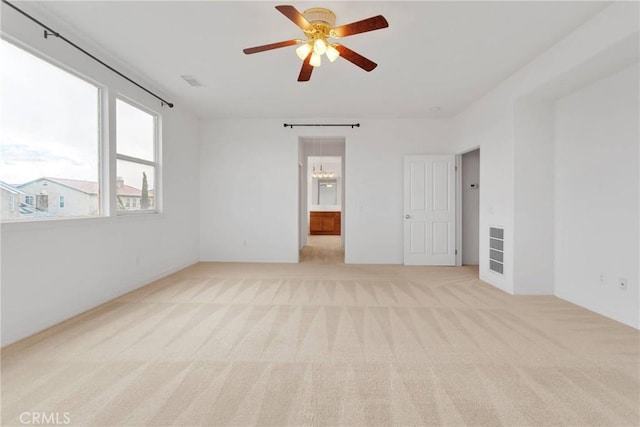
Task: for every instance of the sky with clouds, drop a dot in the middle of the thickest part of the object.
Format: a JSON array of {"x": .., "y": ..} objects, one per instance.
[{"x": 49, "y": 124}]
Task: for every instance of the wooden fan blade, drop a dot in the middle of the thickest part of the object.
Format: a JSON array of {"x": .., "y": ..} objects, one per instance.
[
  {"x": 295, "y": 16},
  {"x": 250, "y": 50},
  {"x": 307, "y": 68},
  {"x": 355, "y": 58},
  {"x": 369, "y": 24}
]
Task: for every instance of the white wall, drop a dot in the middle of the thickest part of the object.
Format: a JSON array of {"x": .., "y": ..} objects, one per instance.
[
  {"x": 597, "y": 186},
  {"x": 470, "y": 207},
  {"x": 489, "y": 122},
  {"x": 533, "y": 255},
  {"x": 249, "y": 184},
  {"x": 53, "y": 270},
  {"x": 248, "y": 191}
]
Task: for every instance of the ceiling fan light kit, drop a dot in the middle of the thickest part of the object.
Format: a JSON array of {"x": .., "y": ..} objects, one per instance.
[
  {"x": 332, "y": 53},
  {"x": 318, "y": 25},
  {"x": 303, "y": 51}
]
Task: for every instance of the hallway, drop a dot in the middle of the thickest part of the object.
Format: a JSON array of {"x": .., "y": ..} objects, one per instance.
[{"x": 322, "y": 250}]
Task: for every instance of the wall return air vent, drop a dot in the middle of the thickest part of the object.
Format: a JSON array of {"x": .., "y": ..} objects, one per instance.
[{"x": 496, "y": 250}]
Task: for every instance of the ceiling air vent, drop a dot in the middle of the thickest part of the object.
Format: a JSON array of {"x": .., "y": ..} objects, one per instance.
[{"x": 191, "y": 80}]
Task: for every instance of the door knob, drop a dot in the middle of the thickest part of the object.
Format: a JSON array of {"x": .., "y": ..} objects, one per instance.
[{"x": 407, "y": 216}]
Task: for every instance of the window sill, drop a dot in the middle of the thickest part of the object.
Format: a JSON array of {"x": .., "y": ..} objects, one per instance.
[{"x": 57, "y": 223}]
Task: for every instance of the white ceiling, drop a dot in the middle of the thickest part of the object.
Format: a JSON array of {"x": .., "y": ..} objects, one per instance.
[{"x": 434, "y": 54}]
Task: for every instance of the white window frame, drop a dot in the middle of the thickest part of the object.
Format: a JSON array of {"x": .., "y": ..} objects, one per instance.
[
  {"x": 61, "y": 201},
  {"x": 108, "y": 93},
  {"x": 155, "y": 163},
  {"x": 32, "y": 198}
]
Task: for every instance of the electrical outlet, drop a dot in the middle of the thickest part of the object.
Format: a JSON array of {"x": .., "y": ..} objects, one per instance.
[{"x": 622, "y": 283}]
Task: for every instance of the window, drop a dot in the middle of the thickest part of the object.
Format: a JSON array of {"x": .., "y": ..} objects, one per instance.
[
  {"x": 50, "y": 128},
  {"x": 136, "y": 136},
  {"x": 12, "y": 203},
  {"x": 50, "y": 143}
]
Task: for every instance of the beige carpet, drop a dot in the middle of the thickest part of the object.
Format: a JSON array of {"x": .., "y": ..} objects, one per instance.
[
  {"x": 318, "y": 344},
  {"x": 323, "y": 250}
]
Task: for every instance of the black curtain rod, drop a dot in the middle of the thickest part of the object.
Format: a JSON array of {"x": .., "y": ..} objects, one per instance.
[
  {"x": 49, "y": 32},
  {"x": 351, "y": 125}
]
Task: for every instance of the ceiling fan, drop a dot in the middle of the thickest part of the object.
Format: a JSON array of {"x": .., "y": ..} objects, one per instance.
[{"x": 318, "y": 25}]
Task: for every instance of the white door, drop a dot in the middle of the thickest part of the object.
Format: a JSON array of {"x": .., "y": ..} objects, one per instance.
[{"x": 429, "y": 210}]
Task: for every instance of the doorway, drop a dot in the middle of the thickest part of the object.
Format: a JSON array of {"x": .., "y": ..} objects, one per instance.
[
  {"x": 470, "y": 209},
  {"x": 321, "y": 199},
  {"x": 322, "y": 250}
]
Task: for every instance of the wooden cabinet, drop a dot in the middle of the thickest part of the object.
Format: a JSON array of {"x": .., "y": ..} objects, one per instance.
[{"x": 324, "y": 223}]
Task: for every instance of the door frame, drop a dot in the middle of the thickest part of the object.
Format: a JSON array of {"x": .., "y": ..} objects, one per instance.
[
  {"x": 459, "y": 201},
  {"x": 304, "y": 143}
]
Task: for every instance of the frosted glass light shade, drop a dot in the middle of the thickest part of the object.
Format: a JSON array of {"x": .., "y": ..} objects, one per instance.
[
  {"x": 332, "y": 53},
  {"x": 316, "y": 60},
  {"x": 319, "y": 47},
  {"x": 303, "y": 51}
]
